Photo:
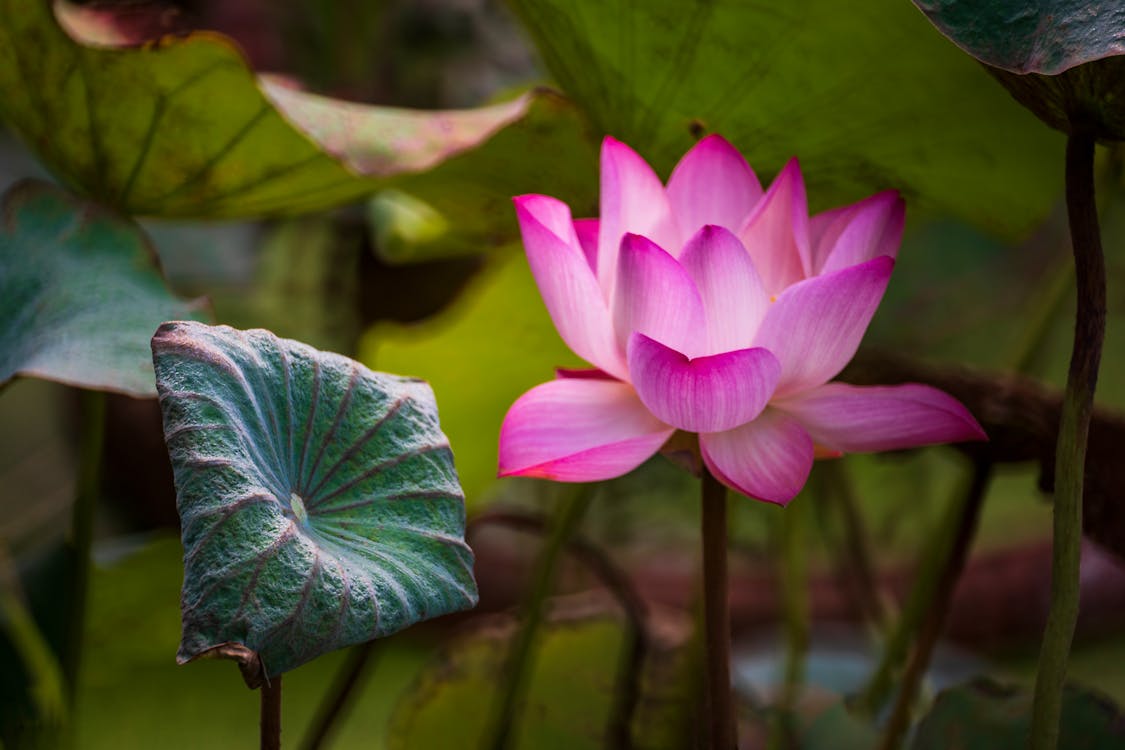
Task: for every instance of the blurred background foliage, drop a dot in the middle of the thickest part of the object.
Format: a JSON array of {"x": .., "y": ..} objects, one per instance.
[{"x": 427, "y": 279}]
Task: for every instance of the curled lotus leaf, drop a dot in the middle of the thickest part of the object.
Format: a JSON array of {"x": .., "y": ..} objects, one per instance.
[
  {"x": 319, "y": 501},
  {"x": 182, "y": 127},
  {"x": 1031, "y": 36},
  {"x": 80, "y": 293}
]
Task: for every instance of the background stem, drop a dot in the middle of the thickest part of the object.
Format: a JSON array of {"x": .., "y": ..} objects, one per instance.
[
  {"x": 338, "y": 699},
  {"x": 514, "y": 682},
  {"x": 271, "y": 713},
  {"x": 91, "y": 441},
  {"x": 1070, "y": 453},
  {"x": 716, "y": 614}
]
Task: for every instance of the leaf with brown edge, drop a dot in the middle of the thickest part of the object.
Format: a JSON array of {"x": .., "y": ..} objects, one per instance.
[{"x": 319, "y": 501}]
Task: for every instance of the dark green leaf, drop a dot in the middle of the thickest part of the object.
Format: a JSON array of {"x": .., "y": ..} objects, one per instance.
[
  {"x": 987, "y": 716},
  {"x": 319, "y": 501},
  {"x": 183, "y": 127},
  {"x": 1031, "y": 36},
  {"x": 864, "y": 93},
  {"x": 80, "y": 294}
]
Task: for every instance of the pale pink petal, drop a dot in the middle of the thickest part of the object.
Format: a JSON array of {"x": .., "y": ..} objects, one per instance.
[
  {"x": 587, "y": 232},
  {"x": 860, "y": 419},
  {"x": 777, "y": 232},
  {"x": 656, "y": 297},
  {"x": 578, "y": 430},
  {"x": 873, "y": 228},
  {"x": 712, "y": 184},
  {"x": 815, "y": 326},
  {"x": 566, "y": 283},
  {"x": 632, "y": 200},
  {"x": 768, "y": 459},
  {"x": 734, "y": 301},
  {"x": 707, "y": 394}
]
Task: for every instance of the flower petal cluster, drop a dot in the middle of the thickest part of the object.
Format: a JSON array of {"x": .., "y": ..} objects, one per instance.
[{"x": 712, "y": 306}]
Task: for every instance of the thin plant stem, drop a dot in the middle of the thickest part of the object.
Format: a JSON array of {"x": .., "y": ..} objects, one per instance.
[
  {"x": 919, "y": 603},
  {"x": 965, "y": 521},
  {"x": 80, "y": 540},
  {"x": 338, "y": 699},
  {"x": 513, "y": 684},
  {"x": 270, "y": 721},
  {"x": 1070, "y": 452},
  {"x": 616, "y": 581},
  {"x": 716, "y": 615}
]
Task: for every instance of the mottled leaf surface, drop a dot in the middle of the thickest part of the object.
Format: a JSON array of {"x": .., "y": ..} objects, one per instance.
[
  {"x": 80, "y": 293},
  {"x": 863, "y": 92},
  {"x": 985, "y": 716},
  {"x": 1031, "y": 36},
  {"x": 319, "y": 501},
  {"x": 183, "y": 127}
]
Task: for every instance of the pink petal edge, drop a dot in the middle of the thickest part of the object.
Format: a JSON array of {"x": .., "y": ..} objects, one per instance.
[
  {"x": 656, "y": 296},
  {"x": 768, "y": 459},
  {"x": 712, "y": 184},
  {"x": 776, "y": 234}
]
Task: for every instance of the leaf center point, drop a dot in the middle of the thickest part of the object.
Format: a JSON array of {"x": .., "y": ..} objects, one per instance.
[{"x": 297, "y": 507}]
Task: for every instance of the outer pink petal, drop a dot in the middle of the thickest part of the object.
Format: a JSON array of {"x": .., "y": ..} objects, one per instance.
[
  {"x": 768, "y": 459},
  {"x": 656, "y": 297},
  {"x": 777, "y": 232},
  {"x": 632, "y": 200},
  {"x": 712, "y": 184},
  {"x": 707, "y": 394},
  {"x": 871, "y": 228},
  {"x": 587, "y": 232},
  {"x": 734, "y": 300},
  {"x": 566, "y": 282},
  {"x": 879, "y": 418},
  {"x": 815, "y": 326},
  {"x": 578, "y": 430}
]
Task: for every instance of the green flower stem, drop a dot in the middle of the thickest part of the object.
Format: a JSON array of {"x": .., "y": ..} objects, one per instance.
[
  {"x": 716, "y": 615},
  {"x": 793, "y": 583},
  {"x": 271, "y": 713},
  {"x": 962, "y": 521},
  {"x": 937, "y": 568},
  {"x": 337, "y": 700},
  {"x": 517, "y": 671},
  {"x": 1070, "y": 453},
  {"x": 81, "y": 536}
]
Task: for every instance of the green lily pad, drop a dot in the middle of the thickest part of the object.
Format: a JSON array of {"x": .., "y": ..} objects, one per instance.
[
  {"x": 319, "y": 501},
  {"x": 988, "y": 716},
  {"x": 183, "y": 127},
  {"x": 863, "y": 92},
  {"x": 1031, "y": 36},
  {"x": 80, "y": 293}
]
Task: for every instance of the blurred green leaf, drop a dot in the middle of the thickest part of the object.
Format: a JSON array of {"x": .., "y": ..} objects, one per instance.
[
  {"x": 183, "y": 127},
  {"x": 495, "y": 342},
  {"x": 319, "y": 502},
  {"x": 80, "y": 294},
  {"x": 864, "y": 93},
  {"x": 1031, "y": 36},
  {"x": 988, "y": 716},
  {"x": 838, "y": 729}
]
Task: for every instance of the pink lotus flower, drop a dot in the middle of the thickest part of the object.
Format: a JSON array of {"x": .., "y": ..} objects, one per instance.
[{"x": 711, "y": 307}]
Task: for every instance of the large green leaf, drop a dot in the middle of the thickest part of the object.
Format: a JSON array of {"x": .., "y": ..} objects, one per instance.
[
  {"x": 986, "y": 716},
  {"x": 80, "y": 293},
  {"x": 863, "y": 92},
  {"x": 183, "y": 127},
  {"x": 1031, "y": 36},
  {"x": 319, "y": 501}
]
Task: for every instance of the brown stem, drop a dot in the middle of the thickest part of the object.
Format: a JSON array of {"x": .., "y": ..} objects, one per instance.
[
  {"x": 939, "y": 606},
  {"x": 271, "y": 713},
  {"x": 339, "y": 697},
  {"x": 716, "y": 615}
]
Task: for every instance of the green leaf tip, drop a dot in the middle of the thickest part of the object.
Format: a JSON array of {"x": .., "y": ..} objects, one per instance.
[
  {"x": 80, "y": 292},
  {"x": 319, "y": 502}
]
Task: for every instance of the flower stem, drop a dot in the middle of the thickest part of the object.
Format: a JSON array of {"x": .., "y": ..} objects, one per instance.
[
  {"x": 335, "y": 703},
  {"x": 271, "y": 713},
  {"x": 962, "y": 521},
  {"x": 793, "y": 584},
  {"x": 1070, "y": 453},
  {"x": 91, "y": 440},
  {"x": 514, "y": 682},
  {"x": 716, "y": 615}
]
